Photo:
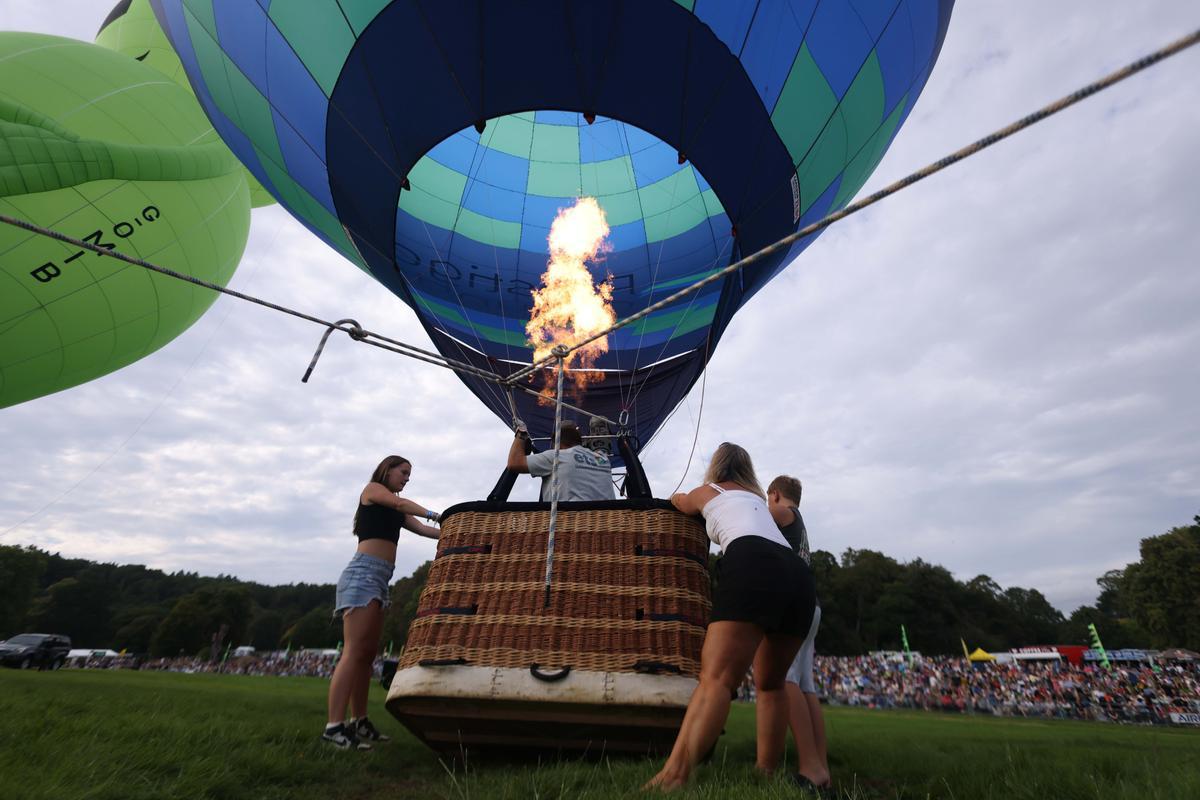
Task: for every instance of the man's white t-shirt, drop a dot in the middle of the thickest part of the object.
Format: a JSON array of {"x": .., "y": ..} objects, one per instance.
[{"x": 583, "y": 474}]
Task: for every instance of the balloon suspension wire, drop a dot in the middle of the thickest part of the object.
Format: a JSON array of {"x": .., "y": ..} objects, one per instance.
[
  {"x": 937, "y": 166},
  {"x": 561, "y": 352},
  {"x": 699, "y": 417}
]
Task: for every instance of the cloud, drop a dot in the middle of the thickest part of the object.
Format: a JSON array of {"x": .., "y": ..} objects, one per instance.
[{"x": 993, "y": 370}]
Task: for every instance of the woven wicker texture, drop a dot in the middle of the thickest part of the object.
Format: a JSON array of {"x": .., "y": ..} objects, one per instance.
[{"x": 630, "y": 589}]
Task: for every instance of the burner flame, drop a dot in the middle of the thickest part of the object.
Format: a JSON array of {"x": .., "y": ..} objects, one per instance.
[{"x": 570, "y": 306}]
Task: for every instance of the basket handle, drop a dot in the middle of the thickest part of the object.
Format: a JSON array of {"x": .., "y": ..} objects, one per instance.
[
  {"x": 549, "y": 677},
  {"x": 656, "y": 668},
  {"x": 470, "y": 549},
  {"x": 441, "y": 662},
  {"x": 642, "y": 550}
]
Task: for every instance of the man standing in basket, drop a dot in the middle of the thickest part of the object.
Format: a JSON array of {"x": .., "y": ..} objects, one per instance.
[
  {"x": 583, "y": 474},
  {"x": 804, "y": 707}
]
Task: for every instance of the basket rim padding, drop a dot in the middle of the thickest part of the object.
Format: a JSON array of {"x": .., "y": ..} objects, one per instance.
[{"x": 489, "y": 506}]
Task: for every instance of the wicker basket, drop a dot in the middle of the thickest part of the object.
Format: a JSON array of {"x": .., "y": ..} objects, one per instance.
[{"x": 629, "y": 597}]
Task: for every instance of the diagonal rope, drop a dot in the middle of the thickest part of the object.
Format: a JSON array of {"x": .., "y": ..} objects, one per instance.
[
  {"x": 937, "y": 166},
  {"x": 355, "y": 332}
]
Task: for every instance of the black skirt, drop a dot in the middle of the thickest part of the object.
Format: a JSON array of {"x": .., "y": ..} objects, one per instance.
[{"x": 765, "y": 583}]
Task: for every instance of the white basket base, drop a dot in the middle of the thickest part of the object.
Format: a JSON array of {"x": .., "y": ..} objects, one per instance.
[{"x": 455, "y": 709}]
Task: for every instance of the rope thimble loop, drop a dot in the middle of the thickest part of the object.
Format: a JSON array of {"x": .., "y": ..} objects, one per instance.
[{"x": 351, "y": 327}]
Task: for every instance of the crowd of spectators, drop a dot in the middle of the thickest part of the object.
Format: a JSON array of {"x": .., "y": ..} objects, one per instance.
[
  {"x": 305, "y": 663},
  {"x": 1055, "y": 689},
  {"x": 1126, "y": 693}
]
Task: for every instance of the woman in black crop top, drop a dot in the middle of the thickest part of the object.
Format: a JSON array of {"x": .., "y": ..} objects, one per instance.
[{"x": 362, "y": 596}]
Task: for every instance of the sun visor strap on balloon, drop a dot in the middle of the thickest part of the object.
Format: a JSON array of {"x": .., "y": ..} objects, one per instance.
[{"x": 636, "y": 484}]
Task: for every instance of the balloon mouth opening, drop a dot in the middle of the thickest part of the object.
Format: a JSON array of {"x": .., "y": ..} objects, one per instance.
[
  {"x": 479, "y": 208},
  {"x": 550, "y": 154}
]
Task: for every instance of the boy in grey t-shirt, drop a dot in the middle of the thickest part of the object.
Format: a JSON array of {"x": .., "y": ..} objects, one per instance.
[{"x": 583, "y": 474}]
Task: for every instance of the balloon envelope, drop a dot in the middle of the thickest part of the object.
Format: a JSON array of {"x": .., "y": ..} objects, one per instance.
[
  {"x": 102, "y": 148},
  {"x": 433, "y": 143},
  {"x": 132, "y": 29}
]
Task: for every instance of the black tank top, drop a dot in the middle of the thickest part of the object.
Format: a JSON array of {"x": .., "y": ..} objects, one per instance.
[
  {"x": 378, "y": 522},
  {"x": 797, "y": 535}
]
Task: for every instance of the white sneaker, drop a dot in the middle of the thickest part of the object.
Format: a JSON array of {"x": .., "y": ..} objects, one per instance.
[
  {"x": 343, "y": 738},
  {"x": 367, "y": 732}
]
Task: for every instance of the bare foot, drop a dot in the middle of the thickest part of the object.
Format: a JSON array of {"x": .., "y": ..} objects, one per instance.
[{"x": 664, "y": 782}]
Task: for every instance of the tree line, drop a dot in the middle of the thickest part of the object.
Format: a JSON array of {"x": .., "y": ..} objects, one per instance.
[{"x": 865, "y": 597}]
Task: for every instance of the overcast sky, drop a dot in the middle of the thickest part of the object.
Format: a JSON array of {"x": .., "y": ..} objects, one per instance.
[{"x": 995, "y": 370}]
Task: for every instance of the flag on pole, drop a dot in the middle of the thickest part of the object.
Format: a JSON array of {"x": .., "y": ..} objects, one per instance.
[
  {"x": 388, "y": 654},
  {"x": 288, "y": 651},
  {"x": 904, "y": 642},
  {"x": 966, "y": 653},
  {"x": 225, "y": 657},
  {"x": 1098, "y": 646}
]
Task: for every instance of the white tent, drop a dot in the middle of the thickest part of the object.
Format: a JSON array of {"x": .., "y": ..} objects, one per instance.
[
  {"x": 80, "y": 653},
  {"x": 1035, "y": 654}
]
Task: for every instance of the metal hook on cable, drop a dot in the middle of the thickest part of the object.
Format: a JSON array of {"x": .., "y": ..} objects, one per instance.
[
  {"x": 354, "y": 331},
  {"x": 512, "y": 406}
]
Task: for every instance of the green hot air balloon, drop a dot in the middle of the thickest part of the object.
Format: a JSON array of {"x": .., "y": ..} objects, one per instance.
[
  {"x": 97, "y": 146},
  {"x": 131, "y": 28}
]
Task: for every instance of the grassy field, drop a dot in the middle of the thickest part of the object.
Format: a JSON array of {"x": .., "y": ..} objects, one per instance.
[{"x": 129, "y": 735}]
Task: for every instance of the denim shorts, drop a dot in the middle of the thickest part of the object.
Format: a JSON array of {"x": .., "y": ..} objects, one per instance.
[
  {"x": 801, "y": 672},
  {"x": 364, "y": 579}
]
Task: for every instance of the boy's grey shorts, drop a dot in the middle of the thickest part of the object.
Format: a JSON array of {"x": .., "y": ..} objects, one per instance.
[{"x": 801, "y": 672}]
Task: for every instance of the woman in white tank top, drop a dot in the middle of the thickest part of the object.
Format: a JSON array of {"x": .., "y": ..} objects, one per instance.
[{"x": 762, "y": 609}]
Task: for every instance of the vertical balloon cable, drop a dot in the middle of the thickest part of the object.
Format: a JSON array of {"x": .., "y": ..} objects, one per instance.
[{"x": 561, "y": 352}]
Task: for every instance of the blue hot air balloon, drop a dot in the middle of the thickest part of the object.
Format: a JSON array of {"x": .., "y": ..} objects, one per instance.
[{"x": 432, "y": 143}]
